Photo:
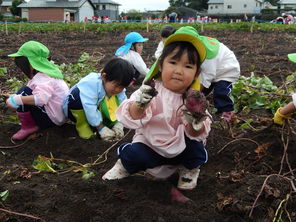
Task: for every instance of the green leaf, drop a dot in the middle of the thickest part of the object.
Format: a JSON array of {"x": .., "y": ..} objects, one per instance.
[
  {"x": 43, "y": 164},
  {"x": 4, "y": 195},
  {"x": 87, "y": 174},
  {"x": 3, "y": 71}
]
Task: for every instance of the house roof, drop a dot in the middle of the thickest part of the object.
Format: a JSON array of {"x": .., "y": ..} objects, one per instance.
[
  {"x": 54, "y": 4},
  {"x": 292, "y": 2},
  {"x": 215, "y": 1},
  {"x": 105, "y": 2},
  {"x": 7, "y": 3}
]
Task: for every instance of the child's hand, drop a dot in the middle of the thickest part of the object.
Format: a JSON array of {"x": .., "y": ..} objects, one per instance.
[
  {"x": 146, "y": 93},
  {"x": 196, "y": 124},
  {"x": 118, "y": 129},
  {"x": 279, "y": 118},
  {"x": 14, "y": 101},
  {"x": 107, "y": 134}
]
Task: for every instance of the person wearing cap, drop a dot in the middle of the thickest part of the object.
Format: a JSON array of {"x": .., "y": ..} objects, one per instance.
[
  {"x": 92, "y": 102},
  {"x": 165, "y": 32},
  {"x": 165, "y": 139},
  {"x": 287, "y": 111},
  {"x": 39, "y": 103},
  {"x": 131, "y": 51},
  {"x": 218, "y": 72}
]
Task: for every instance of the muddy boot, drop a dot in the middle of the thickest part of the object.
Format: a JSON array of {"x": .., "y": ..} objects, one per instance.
[
  {"x": 116, "y": 172},
  {"x": 28, "y": 126},
  {"x": 82, "y": 125},
  {"x": 188, "y": 178}
]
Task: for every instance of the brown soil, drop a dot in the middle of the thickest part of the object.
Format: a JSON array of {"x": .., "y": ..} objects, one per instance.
[{"x": 228, "y": 185}]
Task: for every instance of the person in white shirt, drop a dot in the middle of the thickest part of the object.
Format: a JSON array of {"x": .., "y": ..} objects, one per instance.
[
  {"x": 165, "y": 32},
  {"x": 131, "y": 52},
  {"x": 218, "y": 72}
]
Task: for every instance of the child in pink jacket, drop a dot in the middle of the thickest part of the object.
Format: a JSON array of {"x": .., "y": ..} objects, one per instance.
[
  {"x": 165, "y": 138},
  {"x": 39, "y": 104}
]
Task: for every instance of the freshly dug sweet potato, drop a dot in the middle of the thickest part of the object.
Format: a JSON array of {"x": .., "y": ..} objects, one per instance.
[{"x": 196, "y": 104}]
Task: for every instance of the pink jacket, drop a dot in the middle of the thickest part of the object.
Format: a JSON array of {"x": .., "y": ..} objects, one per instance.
[
  {"x": 50, "y": 93},
  {"x": 163, "y": 126}
]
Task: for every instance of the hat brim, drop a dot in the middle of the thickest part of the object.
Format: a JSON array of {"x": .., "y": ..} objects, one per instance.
[
  {"x": 182, "y": 37},
  {"x": 17, "y": 54},
  {"x": 201, "y": 49},
  {"x": 292, "y": 57},
  {"x": 143, "y": 40}
]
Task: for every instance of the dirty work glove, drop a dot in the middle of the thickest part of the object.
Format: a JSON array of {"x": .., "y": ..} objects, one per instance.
[
  {"x": 196, "y": 124},
  {"x": 118, "y": 129},
  {"x": 279, "y": 118},
  {"x": 14, "y": 101},
  {"x": 228, "y": 116},
  {"x": 107, "y": 134},
  {"x": 145, "y": 94}
]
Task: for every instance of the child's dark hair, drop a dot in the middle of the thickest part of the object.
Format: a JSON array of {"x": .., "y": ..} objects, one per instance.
[
  {"x": 193, "y": 55},
  {"x": 23, "y": 63},
  {"x": 167, "y": 30},
  {"x": 119, "y": 70}
]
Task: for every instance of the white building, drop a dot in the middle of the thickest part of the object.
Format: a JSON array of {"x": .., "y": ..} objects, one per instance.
[
  {"x": 235, "y": 7},
  {"x": 287, "y": 4}
]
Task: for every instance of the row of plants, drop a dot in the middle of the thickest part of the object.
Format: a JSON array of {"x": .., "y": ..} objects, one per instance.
[{"x": 44, "y": 27}]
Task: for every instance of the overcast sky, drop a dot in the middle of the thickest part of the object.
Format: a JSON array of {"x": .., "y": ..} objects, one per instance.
[{"x": 142, "y": 5}]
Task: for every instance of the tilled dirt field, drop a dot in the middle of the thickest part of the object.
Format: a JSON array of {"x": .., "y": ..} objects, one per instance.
[{"x": 228, "y": 185}]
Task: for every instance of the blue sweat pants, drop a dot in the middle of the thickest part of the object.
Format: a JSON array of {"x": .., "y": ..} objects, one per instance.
[{"x": 137, "y": 157}]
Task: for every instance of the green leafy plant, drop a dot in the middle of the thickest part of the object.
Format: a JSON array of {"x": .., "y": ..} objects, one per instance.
[
  {"x": 14, "y": 84},
  {"x": 257, "y": 93},
  {"x": 74, "y": 72}
]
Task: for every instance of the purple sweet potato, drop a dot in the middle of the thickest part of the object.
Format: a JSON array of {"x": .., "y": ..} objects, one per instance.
[{"x": 196, "y": 103}]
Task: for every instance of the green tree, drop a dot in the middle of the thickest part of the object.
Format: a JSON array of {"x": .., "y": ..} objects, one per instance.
[
  {"x": 133, "y": 15},
  {"x": 195, "y": 4},
  {"x": 14, "y": 9}
]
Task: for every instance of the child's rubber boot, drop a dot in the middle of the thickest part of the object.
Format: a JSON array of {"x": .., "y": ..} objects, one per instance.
[
  {"x": 82, "y": 125},
  {"x": 116, "y": 172},
  {"x": 188, "y": 178},
  {"x": 28, "y": 126}
]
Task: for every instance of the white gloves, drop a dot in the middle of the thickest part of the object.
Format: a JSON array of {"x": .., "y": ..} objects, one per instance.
[
  {"x": 143, "y": 97},
  {"x": 118, "y": 130},
  {"x": 14, "y": 101},
  {"x": 196, "y": 124},
  {"x": 107, "y": 134}
]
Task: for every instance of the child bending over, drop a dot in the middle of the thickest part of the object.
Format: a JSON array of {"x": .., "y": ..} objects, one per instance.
[
  {"x": 165, "y": 32},
  {"x": 39, "y": 103},
  {"x": 92, "y": 102}
]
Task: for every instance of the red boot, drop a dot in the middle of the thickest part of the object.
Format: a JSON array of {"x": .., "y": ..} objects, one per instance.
[{"x": 28, "y": 126}]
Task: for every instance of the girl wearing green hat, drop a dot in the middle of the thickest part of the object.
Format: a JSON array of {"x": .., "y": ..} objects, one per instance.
[
  {"x": 39, "y": 103},
  {"x": 287, "y": 111},
  {"x": 165, "y": 140}
]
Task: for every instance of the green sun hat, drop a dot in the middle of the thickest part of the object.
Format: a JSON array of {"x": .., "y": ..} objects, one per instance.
[
  {"x": 184, "y": 34},
  {"x": 292, "y": 57},
  {"x": 37, "y": 54},
  {"x": 212, "y": 46}
]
